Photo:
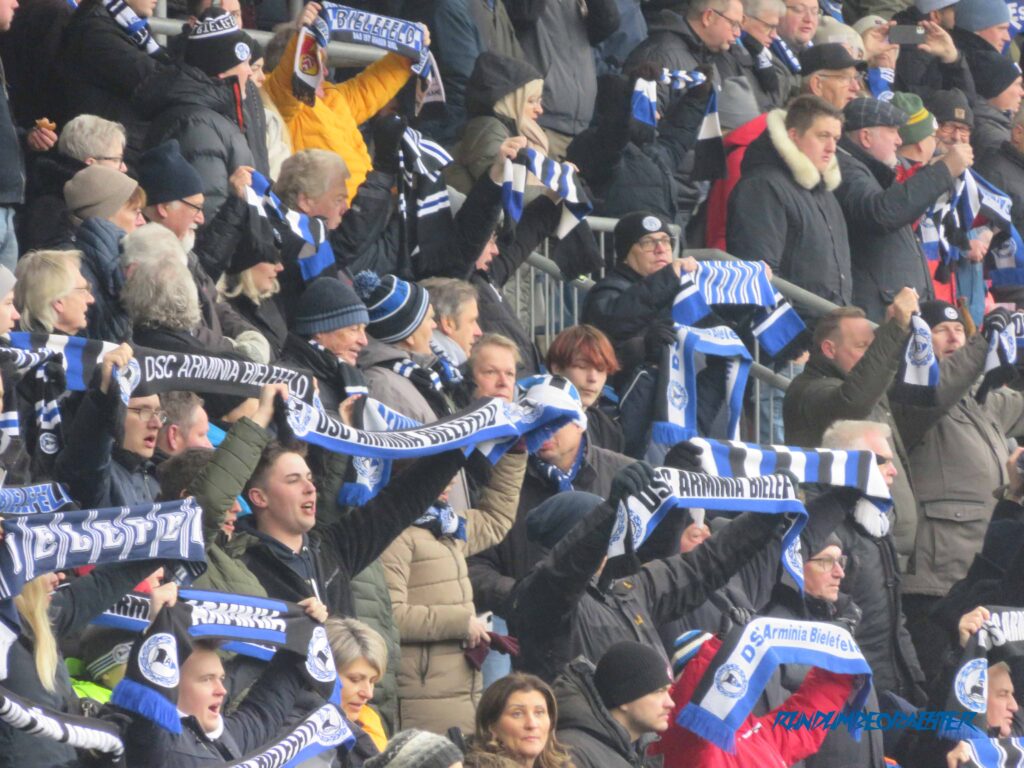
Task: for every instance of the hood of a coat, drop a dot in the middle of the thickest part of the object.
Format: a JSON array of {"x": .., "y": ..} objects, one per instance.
[
  {"x": 670, "y": 21},
  {"x": 183, "y": 85},
  {"x": 744, "y": 135},
  {"x": 580, "y": 707},
  {"x": 50, "y": 171},
  {"x": 985, "y": 112},
  {"x": 777, "y": 149},
  {"x": 376, "y": 353},
  {"x": 99, "y": 240},
  {"x": 495, "y": 76}
]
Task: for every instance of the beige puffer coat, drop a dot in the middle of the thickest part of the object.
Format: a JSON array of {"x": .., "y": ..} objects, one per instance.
[{"x": 433, "y": 601}]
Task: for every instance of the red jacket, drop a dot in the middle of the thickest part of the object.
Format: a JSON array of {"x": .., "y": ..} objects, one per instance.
[
  {"x": 758, "y": 745},
  {"x": 736, "y": 144}
]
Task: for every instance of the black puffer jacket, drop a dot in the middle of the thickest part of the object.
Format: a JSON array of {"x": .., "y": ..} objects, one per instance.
[
  {"x": 103, "y": 69},
  {"x": 44, "y": 222},
  {"x": 206, "y": 116},
  {"x": 783, "y": 212},
  {"x": 879, "y": 213},
  {"x": 100, "y": 244},
  {"x": 595, "y": 739},
  {"x": 922, "y": 73}
]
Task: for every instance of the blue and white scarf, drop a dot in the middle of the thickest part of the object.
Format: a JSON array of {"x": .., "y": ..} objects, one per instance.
[
  {"x": 680, "y": 79},
  {"x": 351, "y": 25},
  {"x": 133, "y": 26},
  {"x": 733, "y": 682},
  {"x": 1001, "y": 358},
  {"x": 423, "y": 203},
  {"x": 561, "y": 481},
  {"x": 441, "y": 520},
  {"x": 775, "y": 329},
  {"x": 33, "y": 499},
  {"x": 918, "y": 377},
  {"x": 372, "y": 474},
  {"x": 318, "y": 256},
  {"x": 995, "y": 753},
  {"x": 785, "y": 55},
  {"x": 675, "y": 414},
  {"x": 56, "y": 541},
  {"x": 880, "y": 80},
  {"x": 709, "y": 151},
  {"x": 638, "y": 516},
  {"x": 721, "y": 282},
  {"x": 644, "y": 103},
  {"x": 560, "y": 178},
  {"x": 321, "y": 731},
  {"x": 447, "y": 369}
]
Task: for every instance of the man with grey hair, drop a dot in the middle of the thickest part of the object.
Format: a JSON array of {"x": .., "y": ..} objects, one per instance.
[
  {"x": 456, "y": 314},
  {"x": 754, "y": 59},
  {"x": 872, "y": 578},
  {"x": 187, "y": 425},
  {"x": 881, "y": 211},
  {"x": 1003, "y": 166}
]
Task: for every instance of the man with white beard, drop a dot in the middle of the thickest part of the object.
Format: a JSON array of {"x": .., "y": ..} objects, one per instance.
[
  {"x": 174, "y": 199},
  {"x": 881, "y": 207}
]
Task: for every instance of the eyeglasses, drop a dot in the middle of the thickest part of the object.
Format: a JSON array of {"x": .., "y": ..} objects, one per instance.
[
  {"x": 826, "y": 564},
  {"x": 858, "y": 78},
  {"x": 882, "y": 460},
  {"x": 772, "y": 28},
  {"x": 193, "y": 206},
  {"x": 651, "y": 243},
  {"x": 736, "y": 25},
  {"x": 803, "y": 10},
  {"x": 146, "y": 413}
]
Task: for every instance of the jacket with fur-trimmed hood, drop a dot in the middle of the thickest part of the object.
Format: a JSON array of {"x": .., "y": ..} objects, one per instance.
[{"x": 783, "y": 212}]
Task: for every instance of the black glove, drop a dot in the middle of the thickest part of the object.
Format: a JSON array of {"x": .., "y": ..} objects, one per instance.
[
  {"x": 658, "y": 336},
  {"x": 686, "y": 456},
  {"x": 387, "y": 136},
  {"x": 630, "y": 481},
  {"x": 995, "y": 321}
]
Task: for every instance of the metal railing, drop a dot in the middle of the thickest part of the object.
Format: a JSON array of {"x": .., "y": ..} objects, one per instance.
[{"x": 548, "y": 304}]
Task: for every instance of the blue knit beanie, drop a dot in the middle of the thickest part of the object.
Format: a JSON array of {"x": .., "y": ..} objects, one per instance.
[
  {"x": 396, "y": 307},
  {"x": 326, "y": 305},
  {"x": 974, "y": 15}
]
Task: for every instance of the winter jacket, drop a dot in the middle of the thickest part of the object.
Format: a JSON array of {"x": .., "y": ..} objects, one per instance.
[
  {"x": 332, "y": 553},
  {"x": 957, "y": 452},
  {"x": 880, "y": 213},
  {"x": 333, "y": 375},
  {"x": 1004, "y": 168},
  {"x": 612, "y": 52},
  {"x": 373, "y": 606},
  {"x": 922, "y": 73},
  {"x": 757, "y": 742},
  {"x": 97, "y": 473},
  {"x": 717, "y": 206},
  {"x": 594, "y": 738},
  {"x": 215, "y": 488},
  {"x": 333, "y": 122},
  {"x": 73, "y": 607},
  {"x": 822, "y": 394},
  {"x": 206, "y": 116},
  {"x": 872, "y": 580},
  {"x": 100, "y": 244},
  {"x": 625, "y": 305},
  {"x": 558, "y": 612},
  {"x": 771, "y": 89},
  {"x": 45, "y": 222},
  {"x": 257, "y": 721},
  {"x": 991, "y": 128},
  {"x": 432, "y": 599},
  {"x": 255, "y": 118},
  {"x": 104, "y": 68},
  {"x": 474, "y": 154},
  {"x": 495, "y": 571},
  {"x": 267, "y": 317},
  {"x": 557, "y": 38},
  {"x": 497, "y": 34},
  {"x": 783, "y": 212},
  {"x": 31, "y": 51}
]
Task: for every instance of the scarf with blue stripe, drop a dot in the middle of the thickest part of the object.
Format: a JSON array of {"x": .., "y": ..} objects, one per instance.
[
  {"x": 918, "y": 377},
  {"x": 999, "y": 639},
  {"x": 880, "y": 80},
  {"x": 638, "y": 516},
  {"x": 709, "y": 151},
  {"x": 736, "y": 676},
  {"x": 150, "y": 684},
  {"x": 675, "y": 414},
  {"x": 136, "y": 28},
  {"x": 561, "y": 481},
  {"x": 721, "y": 282},
  {"x": 441, "y": 520},
  {"x": 560, "y": 178},
  {"x": 995, "y": 753},
  {"x": 350, "y": 25},
  {"x": 317, "y": 256},
  {"x": 644, "y": 102},
  {"x": 423, "y": 203},
  {"x": 1001, "y": 358},
  {"x": 786, "y": 55},
  {"x": 56, "y": 541},
  {"x": 777, "y": 328},
  {"x": 33, "y": 499},
  {"x": 370, "y": 475}
]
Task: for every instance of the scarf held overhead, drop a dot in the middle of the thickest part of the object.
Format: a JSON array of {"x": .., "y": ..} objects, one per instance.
[
  {"x": 560, "y": 178},
  {"x": 740, "y": 669}
]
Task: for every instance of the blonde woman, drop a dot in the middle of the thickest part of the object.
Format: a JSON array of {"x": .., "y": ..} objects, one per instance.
[
  {"x": 361, "y": 658},
  {"x": 35, "y": 666},
  {"x": 249, "y": 286},
  {"x": 51, "y": 294}
]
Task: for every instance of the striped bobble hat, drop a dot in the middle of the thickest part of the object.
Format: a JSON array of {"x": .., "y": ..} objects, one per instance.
[
  {"x": 554, "y": 390},
  {"x": 686, "y": 647},
  {"x": 396, "y": 307}
]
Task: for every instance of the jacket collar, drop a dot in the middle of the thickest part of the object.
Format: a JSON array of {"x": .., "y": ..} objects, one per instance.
[
  {"x": 798, "y": 164},
  {"x": 1012, "y": 154},
  {"x": 882, "y": 173}
]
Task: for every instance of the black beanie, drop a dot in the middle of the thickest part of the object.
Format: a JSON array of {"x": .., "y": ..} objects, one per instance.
[
  {"x": 634, "y": 226},
  {"x": 993, "y": 73},
  {"x": 629, "y": 671},
  {"x": 326, "y": 305},
  {"x": 166, "y": 175},
  {"x": 549, "y": 522},
  {"x": 216, "y": 43},
  {"x": 935, "y": 312}
]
